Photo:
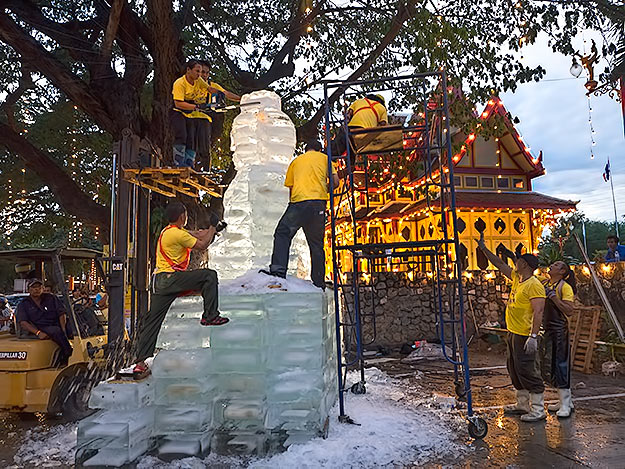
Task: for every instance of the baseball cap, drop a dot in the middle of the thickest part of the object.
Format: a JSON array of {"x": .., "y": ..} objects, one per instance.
[{"x": 34, "y": 281}]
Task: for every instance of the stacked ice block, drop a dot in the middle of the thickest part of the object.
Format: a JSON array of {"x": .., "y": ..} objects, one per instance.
[{"x": 260, "y": 383}]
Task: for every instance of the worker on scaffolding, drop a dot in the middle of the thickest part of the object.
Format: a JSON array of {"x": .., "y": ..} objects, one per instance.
[
  {"x": 214, "y": 124},
  {"x": 187, "y": 116},
  {"x": 524, "y": 315},
  {"x": 308, "y": 183},
  {"x": 366, "y": 113},
  {"x": 171, "y": 279}
]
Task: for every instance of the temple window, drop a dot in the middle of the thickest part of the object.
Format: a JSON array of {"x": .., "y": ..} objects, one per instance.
[
  {"x": 503, "y": 183},
  {"x": 487, "y": 182},
  {"x": 518, "y": 183},
  {"x": 457, "y": 181},
  {"x": 470, "y": 181}
]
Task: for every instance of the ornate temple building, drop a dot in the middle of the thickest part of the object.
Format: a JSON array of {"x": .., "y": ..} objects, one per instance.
[{"x": 493, "y": 183}]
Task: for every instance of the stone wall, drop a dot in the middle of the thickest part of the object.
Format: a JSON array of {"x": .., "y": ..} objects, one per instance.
[{"x": 405, "y": 305}]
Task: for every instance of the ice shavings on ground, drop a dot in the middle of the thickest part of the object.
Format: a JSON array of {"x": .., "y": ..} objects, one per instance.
[
  {"x": 48, "y": 447},
  {"x": 392, "y": 433},
  {"x": 256, "y": 282},
  {"x": 398, "y": 427}
]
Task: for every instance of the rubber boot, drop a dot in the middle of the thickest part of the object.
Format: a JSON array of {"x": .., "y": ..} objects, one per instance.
[
  {"x": 537, "y": 409},
  {"x": 179, "y": 151},
  {"x": 522, "y": 405},
  {"x": 189, "y": 158},
  {"x": 556, "y": 407},
  {"x": 565, "y": 403}
]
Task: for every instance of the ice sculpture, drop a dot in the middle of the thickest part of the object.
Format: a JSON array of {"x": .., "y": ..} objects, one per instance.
[
  {"x": 264, "y": 381},
  {"x": 263, "y": 142}
]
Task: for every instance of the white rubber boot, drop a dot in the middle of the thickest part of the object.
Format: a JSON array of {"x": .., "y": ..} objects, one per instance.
[
  {"x": 566, "y": 405},
  {"x": 522, "y": 405},
  {"x": 537, "y": 409},
  {"x": 556, "y": 407}
]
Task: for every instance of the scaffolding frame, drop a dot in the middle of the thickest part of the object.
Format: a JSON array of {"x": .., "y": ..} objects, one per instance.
[{"x": 429, "y": 140}]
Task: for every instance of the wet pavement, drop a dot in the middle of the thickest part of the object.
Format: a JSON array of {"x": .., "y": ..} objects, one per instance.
[{"x": 593, "y": 437}]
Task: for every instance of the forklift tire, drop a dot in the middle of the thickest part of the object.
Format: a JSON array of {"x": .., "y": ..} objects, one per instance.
[{"x": 76, "y": 403}]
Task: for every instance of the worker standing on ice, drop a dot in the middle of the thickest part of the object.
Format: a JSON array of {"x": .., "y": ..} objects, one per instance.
[
  {"x": 308, "y": 183},
  {"x": 524, "y": 315},
  {"x": 171, "y": 278},
  {"x": 365, "y": 113}
]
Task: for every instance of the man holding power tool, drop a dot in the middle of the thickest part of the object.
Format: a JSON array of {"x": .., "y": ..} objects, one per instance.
[{"x": 171, "y": 278}]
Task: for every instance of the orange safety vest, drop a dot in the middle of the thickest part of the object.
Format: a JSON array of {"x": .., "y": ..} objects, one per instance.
[
  {"x": 371, "y": 106},
  {"x": 177, "y": 267}
]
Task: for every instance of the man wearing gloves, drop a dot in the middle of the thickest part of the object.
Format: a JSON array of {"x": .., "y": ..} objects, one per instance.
[{"x": 523, "y": 320}]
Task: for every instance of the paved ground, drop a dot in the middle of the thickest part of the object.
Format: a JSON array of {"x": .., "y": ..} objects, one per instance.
[{"x": 593, "y": 437}]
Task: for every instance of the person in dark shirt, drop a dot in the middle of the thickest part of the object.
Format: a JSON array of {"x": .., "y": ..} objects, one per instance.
[{"x": 43, "y": 315}]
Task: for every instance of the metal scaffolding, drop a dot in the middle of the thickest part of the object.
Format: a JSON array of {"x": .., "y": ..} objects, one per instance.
[{"x": 420, "y": 138}]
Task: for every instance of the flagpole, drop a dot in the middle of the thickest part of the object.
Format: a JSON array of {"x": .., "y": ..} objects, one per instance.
[{"x": 614, "y": 204}]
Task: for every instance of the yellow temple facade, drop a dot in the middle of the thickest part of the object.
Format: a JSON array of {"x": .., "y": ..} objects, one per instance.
[{"x": 493, "y": 186}]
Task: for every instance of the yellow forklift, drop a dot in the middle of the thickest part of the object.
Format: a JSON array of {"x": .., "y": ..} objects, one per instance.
[{"x": 31, "y": 378}]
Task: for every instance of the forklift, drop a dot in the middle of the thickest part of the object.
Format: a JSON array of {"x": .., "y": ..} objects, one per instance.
[{"x": 31, "y": 377}]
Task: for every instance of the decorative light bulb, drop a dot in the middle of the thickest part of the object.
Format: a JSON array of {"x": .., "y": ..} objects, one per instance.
[{"x": 576, "y": 69}]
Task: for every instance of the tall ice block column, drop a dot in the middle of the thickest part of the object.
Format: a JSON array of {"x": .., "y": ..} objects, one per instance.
[
  {"x": 263, "y": 142},
  {"x": 256, "y": 385}
]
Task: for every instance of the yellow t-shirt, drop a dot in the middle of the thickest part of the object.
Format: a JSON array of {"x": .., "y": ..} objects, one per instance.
[
  {"x": 519, "y": 312},
  {"x": 307, "y": 177},
  {"x": 191, "y": 93},
  {"x": 565, "y": 293},
  {"x": 176, "y": 243},
  {"x": 217, "y": 86},
  {"x": 367, "y": 113}
]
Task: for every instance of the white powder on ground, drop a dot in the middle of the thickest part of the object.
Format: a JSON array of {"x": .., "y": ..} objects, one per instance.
[
  {"x": 255, "y": 282},
  {"x": 397, "y": 428}
]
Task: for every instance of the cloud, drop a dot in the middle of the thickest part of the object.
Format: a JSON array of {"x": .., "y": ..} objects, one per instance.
[{"x": 554, "y": 116}]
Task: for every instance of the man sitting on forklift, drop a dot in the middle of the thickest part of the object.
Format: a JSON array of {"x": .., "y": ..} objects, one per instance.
[
  {"x": 43, "y": 315},
  {"x": 171, "y": 279}
]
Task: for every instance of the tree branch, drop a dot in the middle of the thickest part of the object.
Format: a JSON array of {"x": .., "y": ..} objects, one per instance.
[
  {"x": 13, "y": 97},
  {"x": 66, "y": 191},
  {"x": 404, "y": 12},
  {"x": 77, "y": 90},
  {"x": 111, "y": 29}
]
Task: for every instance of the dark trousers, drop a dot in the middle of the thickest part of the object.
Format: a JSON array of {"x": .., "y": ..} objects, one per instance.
[
  {"x": 340, "y": 142},
  {"x": 523, "y": 368},
  {"x": 309, "y": 215},
  {"x": 185, "y": 138},
  {"x": 167, "y": 287},
  {"x": 557, "y": 358},
  {"x": 58, "y": 336},
  {"x": 204, "y": 134}
]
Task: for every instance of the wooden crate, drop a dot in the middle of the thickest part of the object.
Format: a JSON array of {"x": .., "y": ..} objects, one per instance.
[
  {"x": 584, "y": 328},
  {"x": 172, "y": 182}
]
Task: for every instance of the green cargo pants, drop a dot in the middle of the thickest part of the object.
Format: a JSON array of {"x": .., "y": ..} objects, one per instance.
[{"x": 167, "y": 287}]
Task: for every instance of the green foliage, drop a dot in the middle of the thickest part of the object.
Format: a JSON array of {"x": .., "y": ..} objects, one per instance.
[{"x": 561, "y": 239}]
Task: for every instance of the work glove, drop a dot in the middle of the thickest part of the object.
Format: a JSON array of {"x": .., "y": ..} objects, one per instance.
[{"x": 531, "y": 345}]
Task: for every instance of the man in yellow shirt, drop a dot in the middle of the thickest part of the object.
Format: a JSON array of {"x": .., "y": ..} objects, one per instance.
[
  {"x": 524, "y": 315},
  {"x": 186, "y": 117},
  {"x": 214, "y": 126},
  {"x": 308, "y": 183},
  {"x": 171, "y": 279},
  {"x": 364, "y": 113}
]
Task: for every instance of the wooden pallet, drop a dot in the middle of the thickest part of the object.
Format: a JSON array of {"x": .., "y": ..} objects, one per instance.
[
  {"x": 584, "y": 327},
  {"x": 172, "y": 182},
  {"x": 387, "y": 138}
]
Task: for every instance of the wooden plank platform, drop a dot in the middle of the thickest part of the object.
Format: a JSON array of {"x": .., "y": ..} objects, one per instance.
[
  {"x": 172, "y": 182},
  {"x": 379, "y": 139}
]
